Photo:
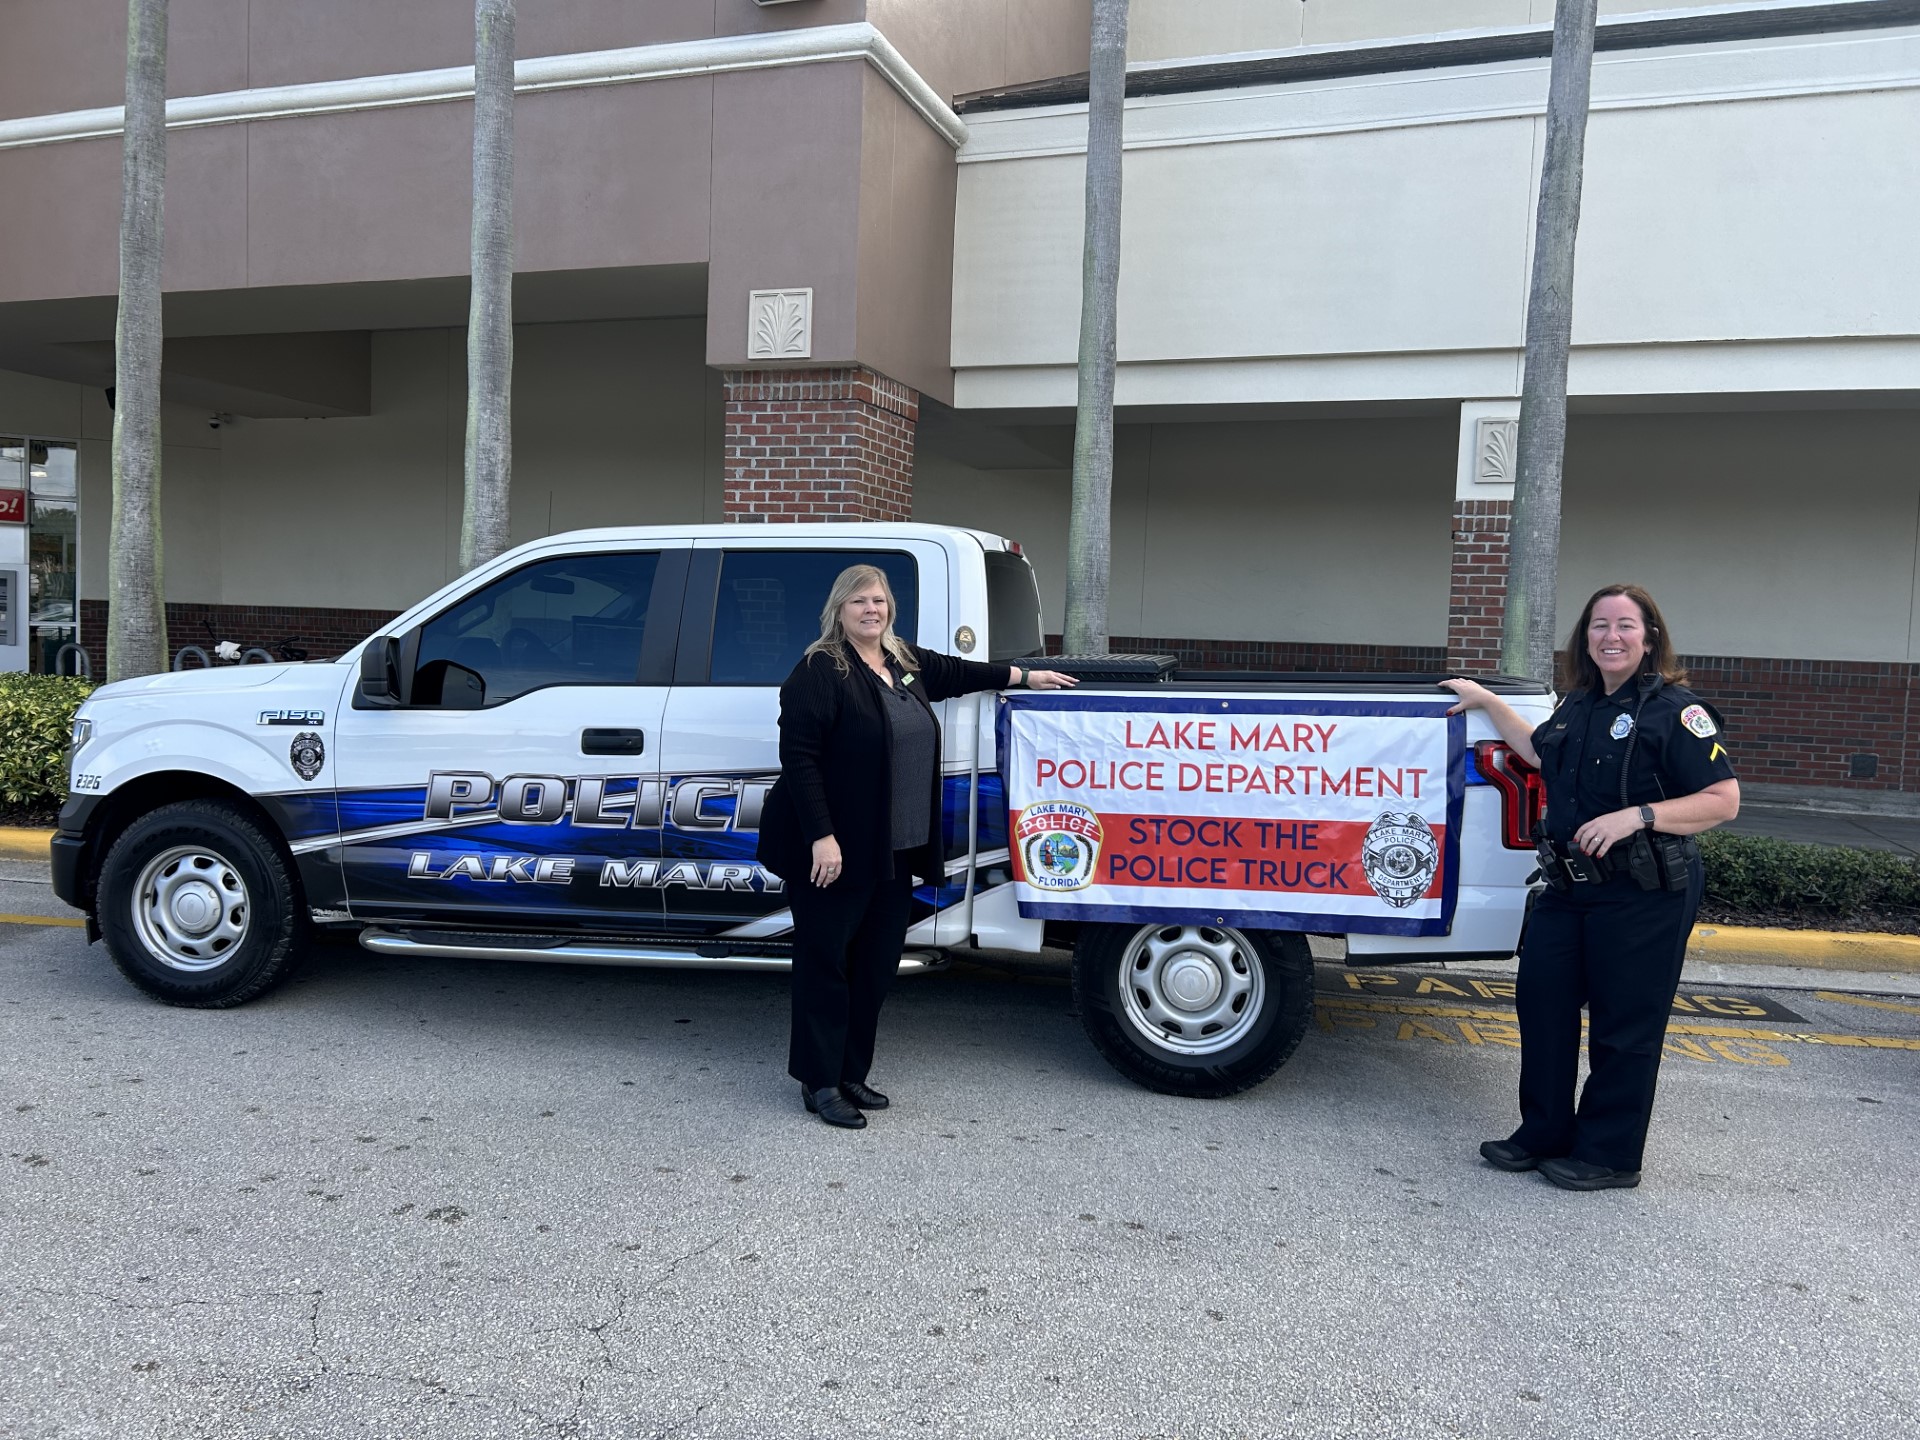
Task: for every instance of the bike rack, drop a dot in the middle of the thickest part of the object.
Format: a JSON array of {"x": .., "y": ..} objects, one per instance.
[
  {"x": 82, "y": 661},
  {"x": 266, "y": 658},
  {"x": 180, "y": 657}
]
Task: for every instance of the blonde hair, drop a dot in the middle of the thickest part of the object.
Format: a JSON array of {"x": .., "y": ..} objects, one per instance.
[{"x": 833, "y": 635}]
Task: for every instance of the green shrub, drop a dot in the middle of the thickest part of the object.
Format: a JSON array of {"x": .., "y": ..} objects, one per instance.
[
  {"x": 36, "y": 722},
  {"x": 1753, "y": 872}
]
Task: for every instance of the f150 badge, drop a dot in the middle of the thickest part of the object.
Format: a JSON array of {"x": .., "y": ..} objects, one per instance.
[{"x": 292, "y": 717}]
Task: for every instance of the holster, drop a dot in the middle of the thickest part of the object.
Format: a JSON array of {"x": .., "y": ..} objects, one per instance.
[
  {"x": 1550, "y": 869},
  {"x": 1661, "y": 862}
]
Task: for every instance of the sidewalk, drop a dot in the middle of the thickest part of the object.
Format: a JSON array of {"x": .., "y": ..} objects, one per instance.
[{"x": 1899, "y": 833}]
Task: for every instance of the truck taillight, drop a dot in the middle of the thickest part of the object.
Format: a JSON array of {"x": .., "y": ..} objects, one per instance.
[{"x": 1523, "y": 795}]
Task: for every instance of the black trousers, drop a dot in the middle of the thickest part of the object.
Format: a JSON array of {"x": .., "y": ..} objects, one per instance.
[
  {"x": 847, "y": 940},
  {"x": 1616, "y": 949}
]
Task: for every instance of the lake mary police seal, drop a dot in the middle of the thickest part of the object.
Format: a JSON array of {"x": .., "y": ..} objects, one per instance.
[
  {"x": 1400, "y": 856},
  {"x": 307, "y": 754},
  {"x": 1059, "y": 844}
]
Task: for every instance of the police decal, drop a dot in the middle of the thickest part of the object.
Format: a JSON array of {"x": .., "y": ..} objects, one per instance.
[
  {"x": 1400, "y": 857},
  {"x": 1059, "y": 844},
  {"x": 307, "y": 754},
  {"x": 1696, "y": 719}
]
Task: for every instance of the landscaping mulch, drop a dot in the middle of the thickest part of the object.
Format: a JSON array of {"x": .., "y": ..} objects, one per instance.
[{"x": 1868, "y": 919}]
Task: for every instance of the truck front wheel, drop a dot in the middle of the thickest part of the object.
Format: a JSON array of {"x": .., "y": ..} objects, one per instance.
[
  {"x": 1201, "y": 1010},
  {"x": 198, "y": 907}
]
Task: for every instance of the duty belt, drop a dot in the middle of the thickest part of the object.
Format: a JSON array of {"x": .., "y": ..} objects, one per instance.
[{"x": 1581, "y": 868}]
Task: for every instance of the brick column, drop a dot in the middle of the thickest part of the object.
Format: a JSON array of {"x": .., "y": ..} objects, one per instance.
[
  {"x": 1482, "y": 534},
  {"x": 1477, "y": 590},
  {"x": 819, "y": 445}
]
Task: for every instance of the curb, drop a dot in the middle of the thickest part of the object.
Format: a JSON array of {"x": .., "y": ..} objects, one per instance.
[
  {"x": 1808, "y": 949},
  {"x": 1859, "y": 950},
  {"x": 23, "y": 844}
]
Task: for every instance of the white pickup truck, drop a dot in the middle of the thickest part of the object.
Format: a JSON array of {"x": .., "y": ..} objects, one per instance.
[{"x": 562, "y": 757}]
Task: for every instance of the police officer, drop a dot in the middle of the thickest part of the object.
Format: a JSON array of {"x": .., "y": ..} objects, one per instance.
[{"x": 1634, "y": 766}]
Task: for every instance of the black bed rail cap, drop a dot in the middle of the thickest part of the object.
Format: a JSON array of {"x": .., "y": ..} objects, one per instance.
[{"x": 1152, "y": 668}]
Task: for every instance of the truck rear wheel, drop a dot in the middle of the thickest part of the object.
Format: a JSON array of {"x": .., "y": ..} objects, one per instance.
[
  {"x": 1201, "y": 1010},
  {"x": 198, "y": 907}
]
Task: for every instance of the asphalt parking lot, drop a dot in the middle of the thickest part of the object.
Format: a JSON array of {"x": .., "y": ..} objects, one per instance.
[{"x": 438, "y": 1199}]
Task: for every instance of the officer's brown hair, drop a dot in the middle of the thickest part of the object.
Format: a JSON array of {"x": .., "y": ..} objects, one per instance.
[{"x": 1577, "y": 670}]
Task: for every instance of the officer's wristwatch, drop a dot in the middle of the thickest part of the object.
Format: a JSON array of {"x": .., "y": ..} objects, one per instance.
[{"x": 1646, "y": 816}]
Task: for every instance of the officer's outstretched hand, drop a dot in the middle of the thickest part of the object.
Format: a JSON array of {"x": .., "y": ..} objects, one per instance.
[{"x": 1473, "y": 695}]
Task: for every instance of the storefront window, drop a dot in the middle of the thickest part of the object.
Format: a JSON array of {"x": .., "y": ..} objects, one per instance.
[{"x": 53, "y": 550}]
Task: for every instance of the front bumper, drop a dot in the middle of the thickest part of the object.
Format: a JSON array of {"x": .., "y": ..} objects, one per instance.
[{"x": 69, "y": 871}]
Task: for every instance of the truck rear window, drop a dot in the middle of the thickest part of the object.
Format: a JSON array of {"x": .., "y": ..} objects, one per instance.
[{"x": 1013, "y": 608}]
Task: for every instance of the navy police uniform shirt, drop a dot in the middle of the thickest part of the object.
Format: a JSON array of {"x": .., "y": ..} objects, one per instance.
[{"x": 1680, "y": 749}]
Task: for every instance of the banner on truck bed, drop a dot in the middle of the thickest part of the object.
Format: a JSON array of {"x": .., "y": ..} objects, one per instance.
[{"x": 1270, "y": 814}]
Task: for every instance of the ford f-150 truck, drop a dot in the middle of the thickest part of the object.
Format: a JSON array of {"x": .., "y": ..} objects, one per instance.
[{"x": 562, "y": 756}]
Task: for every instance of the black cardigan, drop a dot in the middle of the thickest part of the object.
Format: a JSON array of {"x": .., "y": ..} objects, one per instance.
[{"x": 836, "y": 766}]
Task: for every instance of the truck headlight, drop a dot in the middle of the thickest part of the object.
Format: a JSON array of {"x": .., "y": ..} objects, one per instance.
[{"x": 82, "y": 733}]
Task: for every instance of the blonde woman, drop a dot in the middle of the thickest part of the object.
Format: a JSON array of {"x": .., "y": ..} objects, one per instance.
[{"x": 854, "y": 816}]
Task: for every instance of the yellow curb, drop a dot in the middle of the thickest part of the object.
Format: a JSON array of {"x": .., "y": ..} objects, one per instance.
[
  {"x": 21, "y": 844},
  {"x": 40, "y": 920},
  {"x": 1812, "y": 949}
]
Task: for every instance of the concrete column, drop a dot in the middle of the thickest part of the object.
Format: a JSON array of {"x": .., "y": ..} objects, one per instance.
[
  {"x": 1482, "y": 533},
  {"x": 831, "y": 444}
]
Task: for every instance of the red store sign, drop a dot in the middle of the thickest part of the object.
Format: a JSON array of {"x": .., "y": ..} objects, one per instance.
[{"x": 13, "y": 507}]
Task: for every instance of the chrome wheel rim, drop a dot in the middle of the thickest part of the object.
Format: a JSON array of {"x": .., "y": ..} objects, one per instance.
[
  {"x": 1191, "y": 989},
  {"x": 190, "y": 908}
]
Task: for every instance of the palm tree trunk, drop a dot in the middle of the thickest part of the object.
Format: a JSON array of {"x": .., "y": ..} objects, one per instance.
[
  {"x": 1090, "y": 525},
  {"x": 484, "y": 529},
  {"x": 1533, "y": 567},
  {"x": 136, "y": 592}
]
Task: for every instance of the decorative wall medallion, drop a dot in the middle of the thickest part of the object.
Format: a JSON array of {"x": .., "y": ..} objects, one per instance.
[
  {"x": 1495, "y": 451},
  {"x": 779, "y": 324}
]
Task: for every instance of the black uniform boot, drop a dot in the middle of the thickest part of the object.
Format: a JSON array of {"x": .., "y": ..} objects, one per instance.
[{"x": 833, "y": 1107}]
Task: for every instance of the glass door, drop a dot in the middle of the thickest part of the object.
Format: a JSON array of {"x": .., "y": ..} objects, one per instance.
[{"x": 53, "y": 551}]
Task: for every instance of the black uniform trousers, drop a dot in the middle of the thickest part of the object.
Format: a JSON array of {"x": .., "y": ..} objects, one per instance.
[
  {"x": 847, "y": 940},
  {"x": 1617, "y": 949}
]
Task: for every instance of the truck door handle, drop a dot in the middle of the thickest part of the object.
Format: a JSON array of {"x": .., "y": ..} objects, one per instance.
[{"x": 613, "y": 742}]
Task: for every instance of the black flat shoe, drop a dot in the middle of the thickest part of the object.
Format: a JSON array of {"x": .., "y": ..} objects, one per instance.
[
  {"x": 865, "y": 1096},
  {"x": 833, "y": 1107},
  {"x": 1505, "y": 1155},
  {"x": 1571, "y": 1174}
]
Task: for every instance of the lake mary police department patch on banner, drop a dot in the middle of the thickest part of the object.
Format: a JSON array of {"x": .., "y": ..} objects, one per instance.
[
  {"x": 1696, "y": 719},
  {"x": 1400, "y": 857},
  {"x": 1059, "y": 844}
]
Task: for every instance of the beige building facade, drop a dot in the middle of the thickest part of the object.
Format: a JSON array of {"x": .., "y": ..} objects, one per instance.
[{"x": 864, "y": 215}]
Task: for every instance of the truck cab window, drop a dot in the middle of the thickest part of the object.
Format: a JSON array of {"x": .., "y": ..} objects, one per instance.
[
  {"x": 1013, "y": 608},
  {"x": 768, "y": 608},
  {"x": 572, "y": 620}
]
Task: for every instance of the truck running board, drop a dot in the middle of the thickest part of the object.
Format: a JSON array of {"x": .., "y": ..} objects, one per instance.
[{"x": 556, "y": 950}]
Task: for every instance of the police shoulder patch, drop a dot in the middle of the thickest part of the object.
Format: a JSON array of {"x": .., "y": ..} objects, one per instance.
[{"x": 1696, "y": 719}]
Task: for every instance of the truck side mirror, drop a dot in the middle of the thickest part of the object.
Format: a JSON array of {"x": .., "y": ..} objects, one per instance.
[{"x": 379, "y": 675}]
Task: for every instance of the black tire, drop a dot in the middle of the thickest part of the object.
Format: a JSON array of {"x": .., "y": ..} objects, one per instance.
[
  {"x": 1143, "y": 992},
  {"x": 199, "y": 907}
]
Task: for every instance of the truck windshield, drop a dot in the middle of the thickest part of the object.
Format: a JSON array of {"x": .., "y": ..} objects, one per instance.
[{"x": 1013, "y": 608}]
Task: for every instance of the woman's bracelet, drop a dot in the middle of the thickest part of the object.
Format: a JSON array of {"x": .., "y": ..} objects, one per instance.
[{"x": 1019, "y": 684}]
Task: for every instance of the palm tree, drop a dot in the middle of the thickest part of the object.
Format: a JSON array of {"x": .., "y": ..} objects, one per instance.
[
  {"x": 136, "y": 593},
  {"x": 484, "y": 529},
  {"x": 1090, "y": 525},
  {"x": 1533, "y": 566}
]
